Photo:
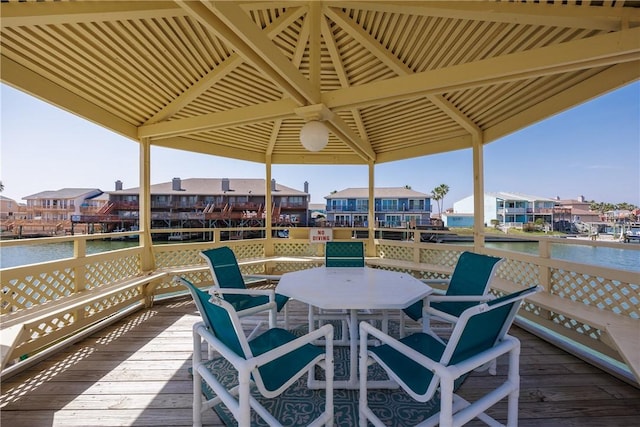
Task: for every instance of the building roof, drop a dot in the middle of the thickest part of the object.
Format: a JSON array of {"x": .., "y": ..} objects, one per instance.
[
  {"x": 213, "y": 186},
  {"x": 518, "y": 196},
  {"x": 240, "y": 79},
  {"x": 378, "y": 192},
  {"x": 317, "y": 207},
  {"x": 65, "y": 193}
]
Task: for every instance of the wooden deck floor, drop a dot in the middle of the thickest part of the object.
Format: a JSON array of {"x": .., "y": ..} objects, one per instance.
[{"x": 135, "y": 373}]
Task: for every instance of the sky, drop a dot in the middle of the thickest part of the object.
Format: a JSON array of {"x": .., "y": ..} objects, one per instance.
[{"x": 592, "y": 150}]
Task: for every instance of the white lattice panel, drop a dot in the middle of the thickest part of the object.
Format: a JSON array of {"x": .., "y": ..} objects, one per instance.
[
  {"x": 112, "y": 270},
  {"x": 404, "y": 253},
  {"x": 438, "y": 257},
  {"x": 523, "y": 273},
  {"x": 283, "y": 248},
  {"x": 32, "y": 290},
  {"x": 621, "y": 298},
  {"x": 248, "y": 251},
  {"x": 176, "y": 258}
]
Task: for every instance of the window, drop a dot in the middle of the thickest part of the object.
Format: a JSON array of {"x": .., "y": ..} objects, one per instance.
[
  {"x": 362, "y": 205},
  {"x": 360, "y": 220},
  {"x": 416, "y": 204},
  {"x": 339, "y": 204},
  {"x": 392, "y": 220},
  {"x": 296, "y": 200},
  {"x": 342, "y": 220},
  {"x": 389, "y": 204},
  {"x": 414, "y": 219}
]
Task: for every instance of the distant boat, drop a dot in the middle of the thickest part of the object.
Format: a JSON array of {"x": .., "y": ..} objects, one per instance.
[
  {"x": 179, "y": 236},
  {"x": 632, "y": 234},
  {"x": 122, "y": 230}
]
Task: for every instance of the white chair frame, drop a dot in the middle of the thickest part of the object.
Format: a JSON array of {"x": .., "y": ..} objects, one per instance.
[
  {"x": 238, "y": 399},
  {"x": 454, "y": 410}
]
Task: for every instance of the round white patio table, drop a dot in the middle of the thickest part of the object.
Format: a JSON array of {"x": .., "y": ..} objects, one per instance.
[{"x": 353, "y": 289}]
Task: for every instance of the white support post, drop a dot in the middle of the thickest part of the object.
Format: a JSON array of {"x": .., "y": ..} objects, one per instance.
[
  {"x": 144, "y": 206},
  {"x": 478, "y": 192}
]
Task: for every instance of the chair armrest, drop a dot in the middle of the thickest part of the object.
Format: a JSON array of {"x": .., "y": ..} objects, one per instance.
[
  {"x": 367, "y": 329},
  {"x": 252, "y": 292},
  {"x": 325, "y": 331},
  {"x": 508, "y": 344},
  {"x": 262, "y": 276},
  {"x": 450, "y": 372},
  {"x": 459, "y": 298},
  {"x": 436, "y": 281}
]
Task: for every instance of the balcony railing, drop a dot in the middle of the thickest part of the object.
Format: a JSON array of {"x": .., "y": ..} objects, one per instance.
[{"x": 581, "y": 303}]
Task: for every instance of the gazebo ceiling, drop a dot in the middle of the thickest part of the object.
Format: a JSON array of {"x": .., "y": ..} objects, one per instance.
[{"x": 393, "y": 80}]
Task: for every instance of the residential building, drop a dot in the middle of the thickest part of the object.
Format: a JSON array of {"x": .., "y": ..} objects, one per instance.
[
  {"x": 61, "y": 205},
  {"x": 10, "y": 209},
  {"x": 575, "y": 210},
  {"x": 394, "y": 207},
  {"x": 510, "y": 209},
  {"x": 212, "y": 202}
]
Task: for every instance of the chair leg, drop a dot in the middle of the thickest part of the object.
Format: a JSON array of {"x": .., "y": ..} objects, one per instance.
[
  {"x": 273, "y": 313},
  {"x": 197, "y": 379},
  {"x": 403, "y": 318},
  {"x": 514, "y": 378},
  {"x": 329, "y": 374},
  {"x": 362, "y": 401},
  {"x": 285, "y": 315},
  {"x": 244, "y": 404},
  {"x": 446, "y": 403}
]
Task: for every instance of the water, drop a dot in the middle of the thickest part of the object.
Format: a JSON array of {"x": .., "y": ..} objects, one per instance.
[
  {"x": 623, "y": 259},
  {"x": 24, "y": 255}
]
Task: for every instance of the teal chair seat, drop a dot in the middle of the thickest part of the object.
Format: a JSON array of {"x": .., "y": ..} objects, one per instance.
[
  {"x": 275, "y": 373},
  {"x": 416, "y": 376}
]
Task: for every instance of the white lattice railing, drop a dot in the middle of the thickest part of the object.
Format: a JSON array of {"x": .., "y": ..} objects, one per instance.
[{"x": 595, "y": 306}]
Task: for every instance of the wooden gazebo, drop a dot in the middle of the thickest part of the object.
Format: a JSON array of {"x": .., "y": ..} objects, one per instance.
[{"x": 389, "y": 80}]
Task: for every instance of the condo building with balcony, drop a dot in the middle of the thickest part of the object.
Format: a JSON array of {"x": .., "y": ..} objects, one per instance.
[
  {"x": 394, "y": 207},
  {"x": 509, "y": 209},
  {"x": 212, "y": 202},
  {"x": 61, "y": 205}
]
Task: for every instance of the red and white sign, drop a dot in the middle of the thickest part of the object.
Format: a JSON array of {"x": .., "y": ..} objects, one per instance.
[{"x": 320, "y": 235}]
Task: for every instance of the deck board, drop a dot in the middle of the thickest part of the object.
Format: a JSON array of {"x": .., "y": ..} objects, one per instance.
[{"x": 135, "y": 373}]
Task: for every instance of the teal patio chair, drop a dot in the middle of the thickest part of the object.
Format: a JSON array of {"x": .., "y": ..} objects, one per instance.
[
  {"x": 271, "y": 361},
  {"x": 468, "y": 286},
  {"x": 423, "y": 365},
  {"x": 229, "y": 282}
]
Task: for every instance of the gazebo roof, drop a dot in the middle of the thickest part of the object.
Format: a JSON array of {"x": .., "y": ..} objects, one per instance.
[{"x": 393, "y": 80}]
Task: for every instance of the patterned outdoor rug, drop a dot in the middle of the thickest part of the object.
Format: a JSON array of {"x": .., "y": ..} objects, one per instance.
[{"x": 298, "y": 405}]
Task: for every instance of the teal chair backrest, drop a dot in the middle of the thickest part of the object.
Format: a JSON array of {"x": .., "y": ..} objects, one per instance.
[
  {"x": 472, "y": 274},
  {"x": 225, "y": 270},
  {"x": 344, "y": 254},
  {"x": 216, "y": 317}
]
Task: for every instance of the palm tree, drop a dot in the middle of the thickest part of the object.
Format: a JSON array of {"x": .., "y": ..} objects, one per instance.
[
  {"x": 1, "y": 187},
  {"x": 438, "y": 194}
]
